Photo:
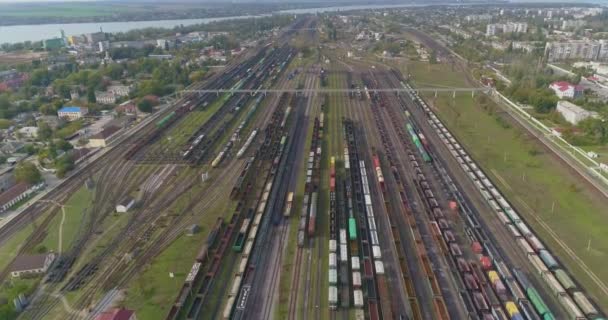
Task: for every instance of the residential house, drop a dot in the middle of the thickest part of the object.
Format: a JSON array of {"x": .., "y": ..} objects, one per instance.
[
  {"x": 28, "y": 132},
  {"x": 564, "y": 89}
]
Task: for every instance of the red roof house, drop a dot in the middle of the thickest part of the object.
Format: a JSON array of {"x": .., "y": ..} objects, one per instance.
[{"x": 564, "y": 89}]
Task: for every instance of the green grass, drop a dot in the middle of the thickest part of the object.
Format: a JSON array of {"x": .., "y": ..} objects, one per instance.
[
  {"x": 76, "y": 208},
  {"x": 9, "y": 249},
  {"x": 532, "y": 181},
  {"x": 152, "y": 291},
  {"x": 426, "y": 75}
]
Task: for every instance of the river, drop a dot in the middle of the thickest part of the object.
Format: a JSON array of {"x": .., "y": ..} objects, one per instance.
[{"x": 21, "y": 33}]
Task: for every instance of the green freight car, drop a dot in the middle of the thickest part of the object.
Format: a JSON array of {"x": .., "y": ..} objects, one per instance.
[
  {"x": 163, "y": 121},
  {"x": 352, "y": 228},
  {"x": 538, "y": 303}
]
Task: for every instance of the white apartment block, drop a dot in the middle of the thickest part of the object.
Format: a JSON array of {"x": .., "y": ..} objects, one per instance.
[
  {"x": 120, "y": 90},
  {"x": 576, "y": 49},
  {"x": 572, "y": 24},
  {"x": 478, "y": 17},
  {"x": 509, "y": 27},
  {"x": 105, "y": 97}
]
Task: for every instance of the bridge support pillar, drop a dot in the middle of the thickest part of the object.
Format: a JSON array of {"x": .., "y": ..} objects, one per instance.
[
  {"x": 453, "y": 94},
  {"x": 472, "y": 93},
  {"x": 435, "y": 93}
]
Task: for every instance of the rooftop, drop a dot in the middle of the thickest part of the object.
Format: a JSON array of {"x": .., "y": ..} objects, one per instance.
[
  {"x": 116, "y": 314},
  {"x": 572, "y": 107},
  {"x": 565, "y": 85},
  {"x": 70, "y": 109},
  {"x": 106, "y": 132},
  {"x": 29, "y": 262},
  {"x": 13, "y": 192}
]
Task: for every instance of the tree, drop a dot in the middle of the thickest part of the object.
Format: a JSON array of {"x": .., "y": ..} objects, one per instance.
[
  {"x": 91, "y": 95},
  {"x": 5, "y": 123},
  {"x": 433, "y": 57},
  {"x": 44, "y": 131},
  {"x": 63, "y": 165},
  {"x": 27, "y": 172},
  {"x": 145, "y": 106},
  {"x": 197, "y": 76}
]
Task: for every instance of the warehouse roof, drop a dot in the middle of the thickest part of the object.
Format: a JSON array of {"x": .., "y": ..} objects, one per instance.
[
  {"x": 28, "y": 262},
  {"x": 105, "y": 133},
  {"x": 13, "y": 192}
]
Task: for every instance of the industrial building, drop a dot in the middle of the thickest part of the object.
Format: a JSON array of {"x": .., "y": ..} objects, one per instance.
[
  {"x": 31, "y": 264},
  {"x": 573, "y": 113}
]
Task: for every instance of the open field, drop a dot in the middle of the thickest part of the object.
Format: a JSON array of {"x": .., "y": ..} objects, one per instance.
[
  {"x": 14, "y": 58},
  {"x": 152, "y": 291},
  {"x": 9, "y": 249},
  {"x": 76, "y": 208},
  {"x": 551, "y": 198}
]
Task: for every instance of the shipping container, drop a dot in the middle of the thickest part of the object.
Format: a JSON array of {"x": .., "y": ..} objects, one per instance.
[
  {"x": 228, "y": 308},
  {"x": 355, "y": 263},
  {"x": 538, "y": 264},
  {"x": 535, "y": 243},
  {"x": 585, "y": 305},
  {"x": 333, "y": 260},
  {"x": 470, "y": 282},
  {"x": 536, "y": 301},
  {"x": 358, "y": 297},
  {"x": 486, "y": 262},
  {"x": 376, "y": 252},
  {"x": 548, "y": 259},
  {"x": 356, "y": 279},
  {"x": 564, "y": 279},
  {"x": 343, "y": 253},
  {"x": 379, "y": 267},
  {"x": 573, "y": 311},
  {"x": 480, "y": 302},
  {"x": 521, "y": 278},
  {"x": 236, "y": 285},
  {"x": 554, "y": 285},
  {"x": 527, "y": 310},
  {"x": 511, "y": 308},
  {"x": 333, "y": 245},
  {"x": 333, "y": 276},
  {"x": 333, "y": 297},
  {"x": 463, "y": 266},
  {"x": 516, "y": 290},
  {"x": 525, "y": 245}
]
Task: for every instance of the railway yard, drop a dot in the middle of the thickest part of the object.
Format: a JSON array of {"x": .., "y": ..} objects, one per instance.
[{"x": 353, "y": 204}]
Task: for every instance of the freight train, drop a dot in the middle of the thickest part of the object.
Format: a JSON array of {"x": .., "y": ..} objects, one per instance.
[{"x": 574, "y": 301}]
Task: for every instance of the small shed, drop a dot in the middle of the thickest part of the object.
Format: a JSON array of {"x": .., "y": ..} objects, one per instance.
[
  {"x": 191, "y": 230},
  {"x": 125, "y": 204}
]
